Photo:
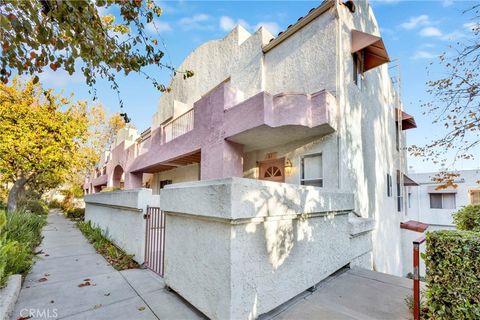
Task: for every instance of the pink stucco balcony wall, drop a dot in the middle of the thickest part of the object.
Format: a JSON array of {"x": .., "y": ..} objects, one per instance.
[{"x": 224, "y": 128}]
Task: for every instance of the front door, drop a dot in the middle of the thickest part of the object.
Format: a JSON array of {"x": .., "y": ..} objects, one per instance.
[{"x": 272, "y": 170}]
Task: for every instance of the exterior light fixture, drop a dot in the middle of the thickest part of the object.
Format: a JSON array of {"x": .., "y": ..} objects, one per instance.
[{"x": 288, "y": 164}]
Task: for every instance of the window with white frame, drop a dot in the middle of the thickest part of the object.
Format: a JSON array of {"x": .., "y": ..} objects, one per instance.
[
  {"x": 312, "y": 170},
  {"x": 442, "y": 201}
]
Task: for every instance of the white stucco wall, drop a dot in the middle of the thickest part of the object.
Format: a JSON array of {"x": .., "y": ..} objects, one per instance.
[
  {"x": 367, "y": 140},
  {"x": 306, "y": 61},
  {"x": 248, "y": 246},
  {"x": 419, "y": 206},
  {"x": 120, "y": 215}
]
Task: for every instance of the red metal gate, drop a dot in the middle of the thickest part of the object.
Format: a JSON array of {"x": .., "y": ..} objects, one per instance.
[{"x": 155, "y": 240}]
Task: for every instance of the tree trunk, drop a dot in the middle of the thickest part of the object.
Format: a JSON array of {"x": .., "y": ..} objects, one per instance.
[{"x": 13, "y": 194}]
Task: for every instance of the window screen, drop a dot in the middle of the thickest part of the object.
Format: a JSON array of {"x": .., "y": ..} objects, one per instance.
[
  {"x": 436, "y": 200},
  {"x": 448, "y": 201}
]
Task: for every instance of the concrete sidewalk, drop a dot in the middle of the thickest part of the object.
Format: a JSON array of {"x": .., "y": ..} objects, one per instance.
[{"x": 71, "y": 281}]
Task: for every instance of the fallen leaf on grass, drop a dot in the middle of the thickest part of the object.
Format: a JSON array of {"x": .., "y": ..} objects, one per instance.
[
  {"x": 84, "y": 284},
  {"x": 42, "y": 279},
  {"x": 141, "y": 308}
]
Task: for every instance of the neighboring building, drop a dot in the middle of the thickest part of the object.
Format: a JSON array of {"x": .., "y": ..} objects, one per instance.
[
  {"x": 434, "y": 206},
  {"x": 291, "y": 129},
  {"x": 430, "y": 207}
]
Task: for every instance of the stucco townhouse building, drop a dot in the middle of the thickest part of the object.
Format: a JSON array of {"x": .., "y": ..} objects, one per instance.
[{"x": 279, "y": 162}]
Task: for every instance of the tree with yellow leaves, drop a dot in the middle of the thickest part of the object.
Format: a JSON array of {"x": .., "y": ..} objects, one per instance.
[{"x": 41, "y": 137}]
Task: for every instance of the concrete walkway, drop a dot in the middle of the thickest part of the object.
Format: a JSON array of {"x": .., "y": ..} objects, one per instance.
[
  {"x": 352, "y": 294},
  {"x": 71, "y": 281}
]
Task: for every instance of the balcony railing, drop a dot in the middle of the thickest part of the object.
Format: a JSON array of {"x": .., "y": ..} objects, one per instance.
[{"x": 178, "y": 126}]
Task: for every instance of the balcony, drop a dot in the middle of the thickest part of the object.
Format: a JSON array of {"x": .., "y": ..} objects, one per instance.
[
  {"x": 265, "y": 121},
  {"x": 178, "y": 126}
]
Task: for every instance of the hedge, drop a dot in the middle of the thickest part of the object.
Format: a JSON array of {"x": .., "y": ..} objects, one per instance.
[
  {"x": 468, "y": 218},
  {"x": 452, "y": 260}
]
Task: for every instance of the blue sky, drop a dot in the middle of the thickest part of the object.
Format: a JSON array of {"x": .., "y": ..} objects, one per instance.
[{"x": 414, "y": 32}]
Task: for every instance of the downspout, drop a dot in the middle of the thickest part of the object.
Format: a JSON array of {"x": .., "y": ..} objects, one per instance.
[{"x": 418, "y": 203}]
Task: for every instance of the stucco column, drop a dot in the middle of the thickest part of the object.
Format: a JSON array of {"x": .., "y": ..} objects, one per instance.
[
  {"x": 133, "y": 180},
  {"x": 222, "y": 160}
]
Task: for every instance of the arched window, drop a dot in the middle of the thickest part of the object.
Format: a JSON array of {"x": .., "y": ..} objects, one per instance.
[{"x": 272, "y": 171}]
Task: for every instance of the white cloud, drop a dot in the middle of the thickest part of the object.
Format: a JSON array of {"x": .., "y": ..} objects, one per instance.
[
  {"x": 447, "y": 3},
  {"x": 60, "y": 79},
  {"x": 413, "y": 22},
  {"x": 197, "y": 21},
  {"x": 158, "y": 26},
  {"x": 472, "y": 26},
  {"x": 227, "y": 23},
  {"x": 453, "y": 35},
  {"x": 431, "y": 32},
  {"x": 270, "y": 26},
  {"x": 421, "y": 54}
]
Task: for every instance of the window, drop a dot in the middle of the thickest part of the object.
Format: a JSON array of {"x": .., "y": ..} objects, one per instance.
[
  {"x": 442, "y": 201},
  {"x": 358, "y": 77},
  {"x": 312, "y": 170},
  {"x": 272, "y": 172},
  {"x": 409, "y": 199},
  {"x": 474, "y": 196},
  {"x": 163, "y": 183},
  {"x": 399, "y": 192},
  {"x": 397, "y": 135},
  {"x": 389, "y": 185}
]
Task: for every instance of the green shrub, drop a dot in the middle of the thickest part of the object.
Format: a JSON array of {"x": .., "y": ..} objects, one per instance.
[
  {"x": 20, "y": 234},
  {"x": 117, "y": 257},
  {"x": 468, "y": 218},
  {"x": 76, "y": 214},
  {"x": 34, "y": 205},
  {"x": 25, "y": 227},
  {"x": 55, "y": 204},
  {"x": 452, "y": 260}
]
